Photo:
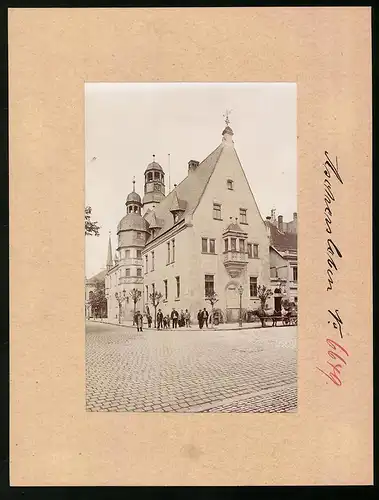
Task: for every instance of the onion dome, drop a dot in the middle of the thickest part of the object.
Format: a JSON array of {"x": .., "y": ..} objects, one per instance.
[
  {"x": 154, "y": 166},
  {"x": 133, "y": 197}
]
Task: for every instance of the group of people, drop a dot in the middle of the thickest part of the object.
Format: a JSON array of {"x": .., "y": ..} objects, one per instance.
[{"x": 175, "y": 319}]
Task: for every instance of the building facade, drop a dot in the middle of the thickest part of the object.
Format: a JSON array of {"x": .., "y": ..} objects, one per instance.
[{"x": 206, "y": 235}]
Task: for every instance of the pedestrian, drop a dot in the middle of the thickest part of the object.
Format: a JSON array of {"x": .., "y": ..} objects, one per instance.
[
  {"x": 187, "y": 318},
  {"x": 174, "y": 318},
  {"x": 165, "y": 322},
  {"x": 139, "y": 321},
  {"x": 200, "y": 319},
  {"x": 149, "y": 319},
  {"x": 205, "y": 317},
  {"x": 168, "y": 320},
  {"x": 160, "y": 319},
  {"x": 182, "y": 320}
]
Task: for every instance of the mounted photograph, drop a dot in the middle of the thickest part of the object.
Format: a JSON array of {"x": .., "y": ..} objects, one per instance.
[{"x": 191, "y": 266}]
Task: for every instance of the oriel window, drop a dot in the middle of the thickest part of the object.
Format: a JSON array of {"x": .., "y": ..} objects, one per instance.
[{"x": 233, "y": 244}]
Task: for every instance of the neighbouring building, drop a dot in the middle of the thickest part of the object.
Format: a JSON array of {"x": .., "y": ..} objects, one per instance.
[
  {"x": 206, "y": 235},
  {"x": 90, "y": 288},
  {"x": 283, "y": 258}
]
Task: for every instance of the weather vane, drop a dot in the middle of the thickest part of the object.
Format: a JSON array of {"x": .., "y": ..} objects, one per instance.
[{"x": 226, "y": 116}]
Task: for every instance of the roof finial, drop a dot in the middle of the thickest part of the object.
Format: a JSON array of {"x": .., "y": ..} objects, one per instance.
[
  {"x": 226, "y": 116},
  {"x": 153, "y": 157},
  {"x": 134, "y": 184}
]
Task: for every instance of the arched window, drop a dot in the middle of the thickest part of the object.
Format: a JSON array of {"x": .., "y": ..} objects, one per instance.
[
  {"x": 156, "y": 175},
  {"x": 150, "y": 176},
  {"x": 135, "y": 209}
]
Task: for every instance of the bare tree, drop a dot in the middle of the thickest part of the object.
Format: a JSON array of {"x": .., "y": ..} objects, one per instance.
[
  {"x": 135, "y": 295},
  {"x": 263, "y": 293},
  {"x": 211, "y": 297},
  {"x": 155, "y": 298}
]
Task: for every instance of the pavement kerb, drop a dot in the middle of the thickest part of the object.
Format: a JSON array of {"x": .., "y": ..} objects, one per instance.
[{"x": 183, "y": 329}]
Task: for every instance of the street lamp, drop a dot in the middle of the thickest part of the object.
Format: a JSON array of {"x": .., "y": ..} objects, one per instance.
[
  {"x": 240, "y": 291},
  {"x": 120, "y": 299}
]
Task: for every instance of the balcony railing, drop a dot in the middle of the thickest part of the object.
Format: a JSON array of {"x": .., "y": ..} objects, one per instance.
[
  {"x": 235, "y": 256},
  {"x": 125, "y": 280},
  {"x": 132, "y": 261}
]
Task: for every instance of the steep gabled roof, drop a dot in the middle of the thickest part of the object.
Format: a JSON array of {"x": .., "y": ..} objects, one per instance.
[
  {"x": 190, "y": 191},
  {"x": 97, "y": 277},
  {"x": 282, "y": 241}
]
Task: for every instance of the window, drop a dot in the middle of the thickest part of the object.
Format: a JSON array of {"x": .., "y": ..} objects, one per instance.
[
  {"x": 139, "y": 272},
  {"x": 253, "y": 286},
  {"x": 153, "y": 233},
  {"x": 209, "y": 284},
  {"x": 242, "y": 246},
  {"x": 147, "y": 292},
  {"x": 177, "y": 279},
  {"x": 243, "y": 216},
  {"x": 204, "y": 245},
  {"x": 255, "y": 253},
  {"x": 127, "y": 272},
  {"x": 146, "y": 264},
  {"x": 226, "y": 241},
  {"x": 212, "y": 246},
  {"x": 152, "y": 261},
  {"x": 168, "y": 253},
  {"x": 156, "y": 175},
  {"x": 149, "y": 176},
  {"x": 139, "y": 254},
  {"x": 229, "y": 184},
  {"x": 153, "y": 288},
  {"x": 217, "y": 211},
  {"x": 294, "y": 273},
  {"x": 233, "y": 244},
  {"x": 250, "y": 250},
  {"x": 165, "y": 289},
  {"x": 127, "y": 254},
  {"x": 173, "y": 251}
]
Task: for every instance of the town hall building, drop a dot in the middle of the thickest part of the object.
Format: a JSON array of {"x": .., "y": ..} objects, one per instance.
[{"x": 206, "y": 235}]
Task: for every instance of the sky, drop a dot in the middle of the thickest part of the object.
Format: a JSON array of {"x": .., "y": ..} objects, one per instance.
[{"x": 127, "y": 123}]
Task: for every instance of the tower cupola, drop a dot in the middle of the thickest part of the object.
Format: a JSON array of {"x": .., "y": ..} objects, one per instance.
[{"x": 154, "y": 190}]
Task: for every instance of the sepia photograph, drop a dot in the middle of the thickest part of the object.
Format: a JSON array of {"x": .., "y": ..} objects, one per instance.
[{"x": 191, "y": 273}]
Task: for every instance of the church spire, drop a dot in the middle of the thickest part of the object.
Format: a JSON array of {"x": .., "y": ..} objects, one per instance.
[{"x": 109, "y": 258}]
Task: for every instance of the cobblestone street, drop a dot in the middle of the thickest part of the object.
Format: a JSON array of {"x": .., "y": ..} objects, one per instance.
[{"x": 251, "y": 370}]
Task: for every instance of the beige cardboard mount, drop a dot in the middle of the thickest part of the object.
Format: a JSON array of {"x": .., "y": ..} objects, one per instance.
[{"x": 52, "y": 53}]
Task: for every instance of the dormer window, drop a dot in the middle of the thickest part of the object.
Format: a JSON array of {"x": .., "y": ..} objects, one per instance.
[{"x": 229, "y": 184}]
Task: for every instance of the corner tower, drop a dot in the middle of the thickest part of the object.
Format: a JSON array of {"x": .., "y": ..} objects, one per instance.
[{"x": 154, "y": 190}]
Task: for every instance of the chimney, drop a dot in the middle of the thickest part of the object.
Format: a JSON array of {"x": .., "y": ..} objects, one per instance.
[
  {"x": 280, "y": 223},
  {"x": 192, "y": 165},
  {"x": 295, "y": 216}
]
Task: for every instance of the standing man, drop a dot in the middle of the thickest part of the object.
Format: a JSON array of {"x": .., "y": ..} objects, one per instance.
[
  {"x": 139, "y": 321},
  {"x": 187, "y": 318},
  {"x": 174, "y": 318},
  {"x": 205, "y": 317},
  {"x": 200, "y": 319},
  {"x": 160, "y": 319}
]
